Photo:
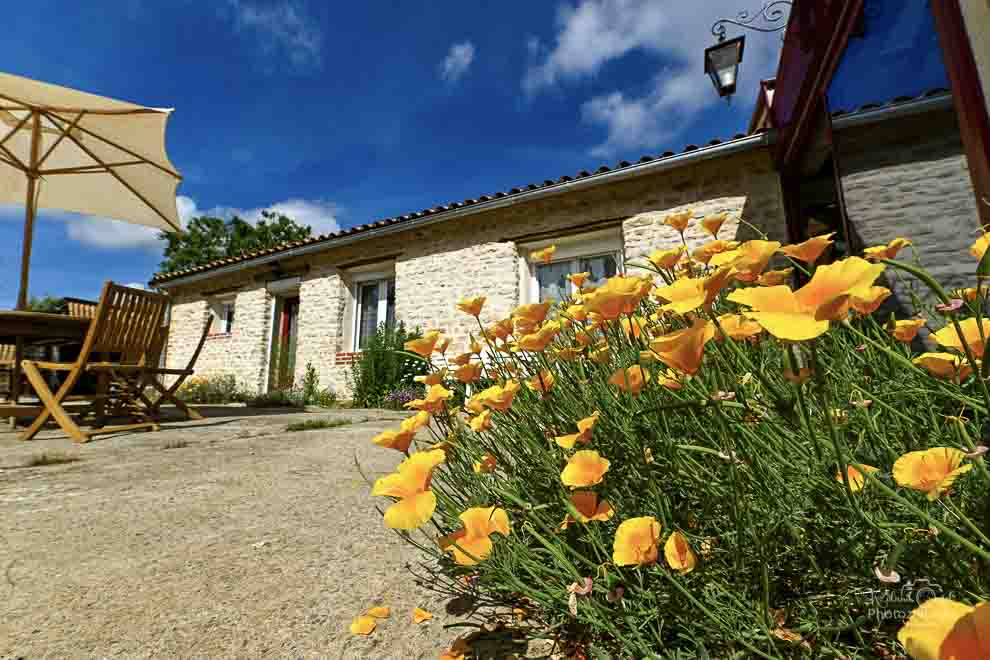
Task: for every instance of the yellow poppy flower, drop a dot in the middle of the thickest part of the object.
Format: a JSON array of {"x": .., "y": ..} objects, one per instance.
[
  {"x": 442, "y": 343},
  {"x": 410, "y": 484},
  {"x": 589, "y": 508},
  {"x": 680, "y": 220},
  {"x": 482, "y": 421},
  {"x": 749, "y": 260},
  {"x": 619, "y": 295},
  {"x": 948, "y": 336},
  {"x": 434, "y": 378},
  {"x": 379, "y": 612},
  {"x": 486, "y": 465},
  {"x": 980, "y": 246},
  {"x": 424, "y": 345},
  {"x": 636, "y": 542},
  {"x": 932, "y": 471},
  {"x": 678, "y": 553},
  {"x": 905, "y": 330},
  {"x": 968, "y": 294},
  {"x": 584, "y": 338},
  {"x": 869, "y": 299},
  {"x": 472, "y": 306},
  {"x": 684, "y": 349},
  {"x": 669, "y": 379},
  {"x": 583, "y": 436},
  {"x": 545, "y": 255},
  {"x": 584, "y": 468},
  {"x": 363, "y": 625},
  {"x": 542, "y": 382},
  {"x": 600, "y": 353},
  {"x": 567, "y": 354},
  {"x": 475, "y": 346},
  {"x": 943, "y": 629},
  {"x": 472, "y": 543},
  {"x": 888, "y": 251},
  {"x": 526, "y": 318},
  {"x": 712, "y": 223},
  {"x": 460, "y": 359},
  {"x": 416, "y": 422},
  {"x": 398, "y": 440},
  {"x": 667, "y": 259},
  {"x": 498, "y": 397},
  {"x": 458, "y": 650},
  {"x": 420, "y": 615},
  {"x": 576, "y": 312},
  {"x": 775, "y": 277},
  {"x": 539, "y": 340},
  {"x": 501, "y": 329},
  {"x": 738, "y": 327},
  {"x": 705, "y": 253},
  {"x": 810, "y": 250},
  {"x": 469, "y": 372},
  {"x": 436, "y": 396},
  {"x": 633, "y": 327},
  {"x": 947, "y": 366},
  {"x": 577, "y": 279},
  {"x": 856, "y": 478},
  {"x": 631, "y": 379}
]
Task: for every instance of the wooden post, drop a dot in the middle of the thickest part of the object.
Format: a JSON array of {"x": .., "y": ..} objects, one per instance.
[{"x": 29, "y": 210}]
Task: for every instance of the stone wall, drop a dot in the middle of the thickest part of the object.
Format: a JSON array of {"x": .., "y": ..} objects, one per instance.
[
  {"x": 909, "y": 178},
  {"x": 437, "y": 265}
]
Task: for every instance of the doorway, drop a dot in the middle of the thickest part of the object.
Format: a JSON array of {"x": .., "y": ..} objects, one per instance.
[{"x": 282, "y": 361}]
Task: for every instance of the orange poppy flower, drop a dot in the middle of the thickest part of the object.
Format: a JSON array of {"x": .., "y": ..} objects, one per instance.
[
  {"x": 399, "y": 440},
  {"x": 684, "y": 349},
  {"x": 420, "y": 615},
  {"x": 932, "y": 471},
  {"x": 436, "y": 396},
  {"x": 584, "y": 338},
  {"x": 634, "y": 327},
  {"x": 583, "y": 436},
  {"x": 584, "y": 468},
  {"x": 567, "y": 354},
  {"x": 637, "y": 542},
  {"x": 749, "y": 260},
  {"x": 600, "y": 353},
  {"x": 869, "y": 299},
  {"x": 542, "y": 382},
  {"x": 482, "y": 421},
  {"x": 424, "y": 345},
  {"x": 486, "y": 465},
  {"x": 712, "y": 223},
  {"x": 526, "y": 318},
  {"x": 472, "y": 543},
  {"x": 711, "y": 248},
  {"x": 498, "y": 397},
  {"x": 631, "y": 379},
  {"x": 905, "y": 330},
  {"x": 379, "y": 612},
  {"x": 856, "y": 478},
  {"x": 545, "y": 255},
  {"x": 667, "y": 259},
  {"x": 416, "y": 422},
  {"x": 680, "y": 220},
  {"x": 588, "y": 507},
  {"x": 410, "y": 485},
  {"x": 500, "y": 329},
  {"x": 738, "y": 327},
  {"x": 980, "y": 246},
  {"x": 948, "y": 336},
  {"x": 810, "y": 250},
  {"x": 669, "y": 379},
  {"x": 775, "y": 277},
  {"x": 434, "y": 378},
  {"x": 472, "y": 306},
  {"x": 577, "y": 279},
  {"x": 363, "y": 625},
  {"x": 888, "y": 251},
  {"x": 469, "y": 372},
  {"x": 678, "y": 553},
  {"x": 943, "y": 629},
  {"x": 460, "y": 359},
  {"x": 576, "y": 312},
  {"x": 442, "y": 343},
  {"x": 947, "y": 366},
  {"x": 539, "y": 340},
  {"x": 619, "y": 295}
]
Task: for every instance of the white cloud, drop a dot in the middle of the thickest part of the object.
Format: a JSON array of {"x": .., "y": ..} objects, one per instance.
[
  {"x": 594, "y": 33},
  {"x": 319, "y": 214},
  {"x": 136, "y": 285},
  {"x": 283, "y": 29},
  {"x": 458, "y": 61}
]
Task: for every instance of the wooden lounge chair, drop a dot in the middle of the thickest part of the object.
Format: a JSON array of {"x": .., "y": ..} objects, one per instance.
[
  {"x": 153, "y": 372},
  {"x": 80, "y": 308},
  {"x": 127, "y": 324}
]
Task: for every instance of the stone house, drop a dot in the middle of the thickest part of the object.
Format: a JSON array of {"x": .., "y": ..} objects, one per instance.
[{"x": 869, "y": 173}]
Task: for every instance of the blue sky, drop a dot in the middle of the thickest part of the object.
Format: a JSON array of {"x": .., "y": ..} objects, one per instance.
[{"x": 345, "y": 113}]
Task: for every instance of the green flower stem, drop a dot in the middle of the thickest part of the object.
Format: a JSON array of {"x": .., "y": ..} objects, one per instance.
[
  {"x": 957, "y": 512},
  {"x": 802, "y": 405}
]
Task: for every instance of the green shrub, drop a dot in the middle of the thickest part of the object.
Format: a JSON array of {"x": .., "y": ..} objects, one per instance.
[
  {"x": 212, "y": 389},
  {"x": 288, "y": 398},
  {"x": 383, "y": 368},
  {"x": 317, "y": 424},
  {"x": 308, "y": 394}
]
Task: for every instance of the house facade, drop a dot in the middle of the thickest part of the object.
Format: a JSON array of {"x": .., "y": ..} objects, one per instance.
[{"x": 868, "y": 172}]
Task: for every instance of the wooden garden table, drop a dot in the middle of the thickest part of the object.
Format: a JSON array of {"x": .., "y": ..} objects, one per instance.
[{"x": 24, "y": 328}]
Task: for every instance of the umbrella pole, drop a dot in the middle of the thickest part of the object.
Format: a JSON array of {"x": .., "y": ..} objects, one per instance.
[{"x": 29, "y": 208}]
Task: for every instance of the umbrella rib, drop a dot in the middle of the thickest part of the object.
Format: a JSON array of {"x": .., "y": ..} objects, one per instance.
[
  {"x": 15, "y": 129},
  {"x": 20, "y": 164},
  {"x": 65, "y": 131},
  {"x": 124, "y": 183},
  {"x": 91, "y": 169},
  {"x": 118, "y": 146},
  {"x": 93, "y": 111},
  {"x": 4, "y": 159}
]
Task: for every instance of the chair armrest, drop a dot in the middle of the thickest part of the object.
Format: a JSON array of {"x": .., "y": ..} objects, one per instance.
[{"x": 52, "y": 366}]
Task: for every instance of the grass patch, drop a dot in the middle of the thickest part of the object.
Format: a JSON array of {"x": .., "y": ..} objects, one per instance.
[
  {"x": 315, "y": 424},
  {"x": 50, "y": 458},
  {"x": 175, "y": 444}
]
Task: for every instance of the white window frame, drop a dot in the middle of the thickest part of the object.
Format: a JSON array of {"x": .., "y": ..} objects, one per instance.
[
  {"x": 359, "y": 281},
  {"x": 222, "y": 307},
  {"x": 569, "y": 249}
]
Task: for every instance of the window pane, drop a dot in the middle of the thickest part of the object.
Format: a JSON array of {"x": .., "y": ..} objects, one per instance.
[
  {"x": 390, "y": 303},
  {"x": 552, "y": 279},
  {"x": 367, "y": 313},
  {"x": 601, "y": 268},
  {"x": 229, "y": 320}
]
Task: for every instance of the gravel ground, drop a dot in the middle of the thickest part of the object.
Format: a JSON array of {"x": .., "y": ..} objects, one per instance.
[{"x": 216, "y": 539}]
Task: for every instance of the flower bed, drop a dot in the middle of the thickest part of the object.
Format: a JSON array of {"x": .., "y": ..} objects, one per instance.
[{"x": 702, "y": 460}]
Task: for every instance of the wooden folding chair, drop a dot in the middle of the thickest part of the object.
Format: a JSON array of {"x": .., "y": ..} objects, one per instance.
[
  {"x": 80, "y": 308},
  {"x": 126, "y": 323},
  {"x": 153, "y": 372},
  {"x": 7, "y": 357}
]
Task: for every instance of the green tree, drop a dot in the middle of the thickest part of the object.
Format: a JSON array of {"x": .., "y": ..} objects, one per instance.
[
  {"x": 47, "y": 303},
  {"x": 208, "y": 238}
]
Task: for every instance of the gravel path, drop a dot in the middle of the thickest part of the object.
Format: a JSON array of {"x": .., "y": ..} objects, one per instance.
[{"x": 216, "y": 539}]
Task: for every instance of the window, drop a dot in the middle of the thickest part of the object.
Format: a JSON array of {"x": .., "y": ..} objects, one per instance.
[
  {"x": 228, "y": 318},
  {"x": 223, "y": 317},
  {"x": 597, "y": 253},
  {"x": 552, "y": 278},
  {"x": 375, "y": 305}
]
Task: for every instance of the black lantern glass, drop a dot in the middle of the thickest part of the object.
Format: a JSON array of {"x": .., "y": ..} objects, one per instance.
[{"x": 722, "y": 64}]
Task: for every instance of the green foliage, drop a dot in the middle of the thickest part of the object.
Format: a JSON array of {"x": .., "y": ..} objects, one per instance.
[
  {"x": 208, "y": 238},
  {"x": 317, "y": 424},
  {"x": 212, "y": 389},
  {"x": 48, "y": 304},
  {"x": 383, "y": 367},
  {"x": 309, "y": 394}
]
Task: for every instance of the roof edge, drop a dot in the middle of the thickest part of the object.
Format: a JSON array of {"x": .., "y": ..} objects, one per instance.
[{"x": 662, "y": 164}]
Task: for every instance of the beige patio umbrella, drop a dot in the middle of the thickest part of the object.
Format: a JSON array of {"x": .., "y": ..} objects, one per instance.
[{"x": 69, "y": 150}]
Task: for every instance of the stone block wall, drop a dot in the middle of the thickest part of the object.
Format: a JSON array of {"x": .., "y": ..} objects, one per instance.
[
  {"x": 320, "y": 328},
  {"x": 910, "y": 178}
]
